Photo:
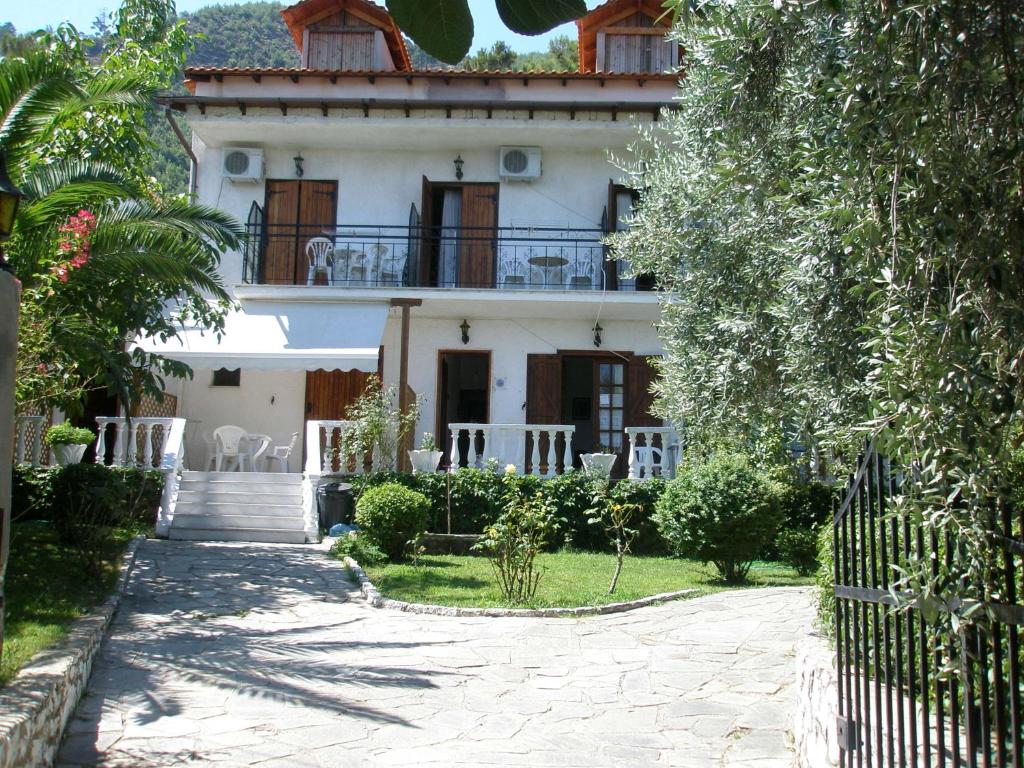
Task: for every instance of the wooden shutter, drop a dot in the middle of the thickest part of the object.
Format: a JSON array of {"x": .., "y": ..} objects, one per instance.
[
  {"x": 281, "y": 215},
  {"x": 480, "y": 217},
  {"x": 611, "y": 266},
  {"x": 543, "y": 389},
  {"x": 427, "y": 233},
  {"x": 640, "y": 375},
  {"x": 318, "y": 211},
  {"x": 330, "y": 393}
]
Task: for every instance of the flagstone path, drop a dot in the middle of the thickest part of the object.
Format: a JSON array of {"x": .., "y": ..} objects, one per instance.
[{"x": 246, "y": 655}]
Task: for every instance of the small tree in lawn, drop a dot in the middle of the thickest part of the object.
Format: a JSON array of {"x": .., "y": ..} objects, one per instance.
[
  {"x": 514, "y": 540},
  {"x": 615, "y": 517}
]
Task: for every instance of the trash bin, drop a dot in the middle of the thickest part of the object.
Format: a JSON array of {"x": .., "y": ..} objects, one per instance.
[{"x": 334, "y": 503}]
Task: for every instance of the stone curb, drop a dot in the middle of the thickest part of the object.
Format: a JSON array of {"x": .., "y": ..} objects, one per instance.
[
  {"x": 37, "y": 704},
  {"x": 377, "y": 600}
]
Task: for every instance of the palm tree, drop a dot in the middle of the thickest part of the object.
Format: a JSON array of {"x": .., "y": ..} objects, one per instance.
[{"x": 102, "y": 260}]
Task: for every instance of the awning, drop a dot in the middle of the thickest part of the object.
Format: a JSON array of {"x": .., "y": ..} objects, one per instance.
[{"x": 285, "y": 335}]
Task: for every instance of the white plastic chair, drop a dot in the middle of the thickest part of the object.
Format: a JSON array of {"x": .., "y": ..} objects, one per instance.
[
  {"x": 512, "y": 269},
  {"x": 229, "y": 450},
  {"x": 359, "y": 268},
  {"x": 583, "y": 275},
  {"x": 391, "y": 270},
  {"x": 211, "y": 451},
  {"x": 657, "y": 460},
  {"x": 320, "y": 251},
  {"x": 280, "y": 454}
]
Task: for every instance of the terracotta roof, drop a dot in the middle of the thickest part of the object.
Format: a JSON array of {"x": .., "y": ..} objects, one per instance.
[
  {"x": 437, "y": 74},
  {"x": 605, "y": 15},
  {"x": 300, "y": 15}
]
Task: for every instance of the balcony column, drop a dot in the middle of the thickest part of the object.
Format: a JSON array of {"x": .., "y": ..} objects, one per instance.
[{"x": 403, "y": 377}]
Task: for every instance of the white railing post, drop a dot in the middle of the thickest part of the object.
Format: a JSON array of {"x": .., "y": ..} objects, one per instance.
[
  {"x": 453, "y": 451},
  {"x": 535, "y": 453},
  {"x": 567, "y": 450},
  {"x": 172, "y": 459},
  {"x": 29, "y": 429},
  {"x": 649, "y": 454},
  {"x": 311, "y": 479}
]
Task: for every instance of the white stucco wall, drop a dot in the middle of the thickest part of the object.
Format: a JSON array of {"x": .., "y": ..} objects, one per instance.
[
  {"x": 270, "y": 402},
  {"x": 378, "y": 187}
]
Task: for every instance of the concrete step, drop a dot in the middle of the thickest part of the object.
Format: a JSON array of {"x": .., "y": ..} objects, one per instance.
[
  {"x": 262, "y": 535},
  {"x": 284, "y": 497},
  {"x": 183, "y": 519},
  {"x": 275, "y": 478},
  {"x": 246, "y": 509}
]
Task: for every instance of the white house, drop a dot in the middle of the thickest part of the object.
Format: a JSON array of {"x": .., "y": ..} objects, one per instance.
[{"x": 441, "y": 228}]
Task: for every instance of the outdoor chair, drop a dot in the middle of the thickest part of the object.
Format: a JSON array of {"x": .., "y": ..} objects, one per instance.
[
  {"x": 320, "y": 251},
  {"x": 512, "y": 269},
  {"x": 391, "y": 270},
  {"x": 229, "y": 452},
  {"x": 281, "y": 454},
  {"x": 585, "y": 276},
  {"x": 641, "y": 452}
]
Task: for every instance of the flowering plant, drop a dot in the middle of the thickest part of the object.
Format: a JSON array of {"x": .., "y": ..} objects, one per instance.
[{"x": 73, "y": 248}]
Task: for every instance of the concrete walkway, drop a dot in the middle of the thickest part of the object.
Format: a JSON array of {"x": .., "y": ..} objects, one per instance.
[{"x": 253, "y": 654}]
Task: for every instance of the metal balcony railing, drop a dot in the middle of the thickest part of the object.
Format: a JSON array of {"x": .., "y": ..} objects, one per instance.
[{"x": 373, "y": 256}]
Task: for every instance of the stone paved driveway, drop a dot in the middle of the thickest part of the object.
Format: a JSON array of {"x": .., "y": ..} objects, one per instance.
[{"x": 240, "y": 655}]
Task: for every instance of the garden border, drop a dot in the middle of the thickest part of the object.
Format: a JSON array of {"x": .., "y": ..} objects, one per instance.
[
  {"x": 374, "y": 598},
  {"x": 37, "y": 704}
]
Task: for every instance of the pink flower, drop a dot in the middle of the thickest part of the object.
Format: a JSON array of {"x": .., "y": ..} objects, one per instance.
[{"x": 41, "y": 367}]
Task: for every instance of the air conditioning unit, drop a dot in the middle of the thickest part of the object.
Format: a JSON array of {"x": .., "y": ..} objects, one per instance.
[
  {"x": 519, "y": 163},
  {"x": 242, "y": 164}
]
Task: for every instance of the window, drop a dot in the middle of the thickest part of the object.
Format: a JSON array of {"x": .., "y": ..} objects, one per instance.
[
  {"x": 610, "y": 402},
  {"x": 226, "y": 377}
]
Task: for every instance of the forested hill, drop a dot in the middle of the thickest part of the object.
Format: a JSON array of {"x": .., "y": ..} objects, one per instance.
[{"x": 255, "y": 35}]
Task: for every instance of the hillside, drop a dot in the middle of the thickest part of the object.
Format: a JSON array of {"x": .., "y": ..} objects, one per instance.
[{"x": 254, "y": 35}]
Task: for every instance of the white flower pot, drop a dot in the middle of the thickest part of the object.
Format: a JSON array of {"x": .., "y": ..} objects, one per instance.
[
  {"x": 599, "y": 463},
  {"x": 425, "y": 461},
  {"x": 68, "y": 454}
]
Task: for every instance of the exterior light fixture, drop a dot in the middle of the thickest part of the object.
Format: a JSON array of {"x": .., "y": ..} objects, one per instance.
[
  {"x": 298, "y": 165},
  {"x": 597, "y": 334},
  {"x": 458, "y": 166},
  {"x": 10, "y": 197},
  {"x": 465, "y": 331}
]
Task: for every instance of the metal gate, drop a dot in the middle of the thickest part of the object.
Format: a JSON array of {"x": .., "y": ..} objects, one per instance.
[{"x": 914, "y": 692}]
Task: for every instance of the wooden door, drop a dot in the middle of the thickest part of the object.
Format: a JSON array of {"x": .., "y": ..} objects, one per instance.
[
  {"x": 295, "y": 211},
  {"x": 281, "y": 217},
  {"x": 479, "y": 220},
  {"x": 428, "y": 233}
]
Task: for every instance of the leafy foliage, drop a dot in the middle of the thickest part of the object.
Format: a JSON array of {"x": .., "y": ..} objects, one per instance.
[
  {"x": 722, "y": 511},
  {"x": 513, "y": 541},
  {"x": 391, "y": 516},
  {"x": 241, "y": 35},
  {"x": 360, "y": 548},
  {"x": 378, "y": 425},
  {"x": 836, "y": 214},
  {"x": 615, "y": 518},
  {"x": 68, "y": 434}
]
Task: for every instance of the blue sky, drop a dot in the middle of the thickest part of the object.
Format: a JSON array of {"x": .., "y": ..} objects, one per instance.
[{"x": 36, "y": 14}]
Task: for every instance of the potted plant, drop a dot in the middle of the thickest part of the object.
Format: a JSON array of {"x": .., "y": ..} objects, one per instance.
[
  {"x": 68, "y": 442},
  {"x": 427, "y": 457},
  {"x": 600, "y": 462}
]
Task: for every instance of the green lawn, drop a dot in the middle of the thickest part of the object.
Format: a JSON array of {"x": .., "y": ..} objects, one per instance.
[
  {"x": 47, "y": 589},
  {"x": 569, "y": 579}
]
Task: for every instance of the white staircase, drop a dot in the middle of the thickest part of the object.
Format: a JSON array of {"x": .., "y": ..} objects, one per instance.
[{"x": 239, "y": 506}]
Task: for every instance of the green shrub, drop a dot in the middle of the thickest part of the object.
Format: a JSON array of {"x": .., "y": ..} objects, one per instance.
[
  {"x": 31, "y": 492},
  {"x": 513, "y": 541},
  {"x": 360, "y": 549},
  {"x": 825, "y": 582},
  {"x": 645, "y": 493},
  {"x": 569, "y": 497},
  {"x": 721, "y": 511},
  {"x": 391, "y": 515},
  {"x": 68, "y": 434},
  {"x": 87, "y": 508},
  {"x": 798, "y": 548}
]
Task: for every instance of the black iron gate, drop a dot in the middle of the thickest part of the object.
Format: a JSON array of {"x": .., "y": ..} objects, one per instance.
[{"x": 914, "y": 691}]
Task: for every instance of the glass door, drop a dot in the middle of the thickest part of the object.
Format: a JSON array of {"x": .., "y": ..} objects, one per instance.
[{"x": 610, "y": 385}]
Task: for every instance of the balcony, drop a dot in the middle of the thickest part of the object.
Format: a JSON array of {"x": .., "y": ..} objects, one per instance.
[{"x": 374, "y": 256}]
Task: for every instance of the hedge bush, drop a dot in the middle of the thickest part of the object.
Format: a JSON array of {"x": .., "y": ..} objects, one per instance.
[
  {"x": 805, "y": 507},
  {"x": 391, "y": 515},
  {"x": 722, "y": 510},
  {"x": 139, "y": 490}
]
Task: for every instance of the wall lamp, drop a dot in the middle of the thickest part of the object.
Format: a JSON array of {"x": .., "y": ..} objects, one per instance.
[
  {"x": 465, "y": 331},
  {"x": 10, "y": 197},
  {"x": 597, "y": 334},
  {"x": 458, "y": 166},
  {"x": 299, "y": 159}
]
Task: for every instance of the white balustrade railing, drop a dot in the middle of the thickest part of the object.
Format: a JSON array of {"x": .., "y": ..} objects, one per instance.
[
  {"x": 532, "y": 448},
  {"x": 138, "y": 442},
  {"x": 323, "y": 451},
  {"x": 28, "y": 440},
  {"x": 652, "y": 451}
]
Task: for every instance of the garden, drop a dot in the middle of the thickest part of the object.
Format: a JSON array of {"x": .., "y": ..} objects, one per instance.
[
  {"x": 70, "y": 527},
  {"x": 580, "y": 539}
]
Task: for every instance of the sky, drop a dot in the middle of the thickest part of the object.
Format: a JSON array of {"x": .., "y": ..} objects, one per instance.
[{"x": 28, "y": 16}]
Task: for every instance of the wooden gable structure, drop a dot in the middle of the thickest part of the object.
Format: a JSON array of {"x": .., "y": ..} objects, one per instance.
[
  {"x": 351, "y": 35},
  {"x": 627, "y": 36}
]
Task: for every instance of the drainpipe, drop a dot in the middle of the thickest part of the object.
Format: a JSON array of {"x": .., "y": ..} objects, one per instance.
[{"x": 193, "y": 168}]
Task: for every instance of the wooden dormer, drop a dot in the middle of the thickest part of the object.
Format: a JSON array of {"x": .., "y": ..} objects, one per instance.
[
  {"x": 354, "y": 35},
  {"x": 627, "y": 36}
]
